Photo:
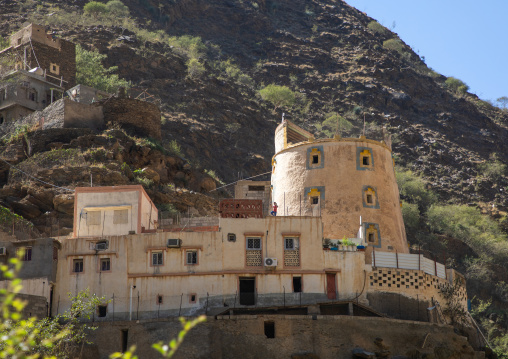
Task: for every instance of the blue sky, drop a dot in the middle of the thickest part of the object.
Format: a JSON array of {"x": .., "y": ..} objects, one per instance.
[{"x": 465, "y": 39}]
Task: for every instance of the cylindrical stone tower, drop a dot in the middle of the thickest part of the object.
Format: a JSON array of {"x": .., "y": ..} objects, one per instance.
[{"x": 349, "y": 182}]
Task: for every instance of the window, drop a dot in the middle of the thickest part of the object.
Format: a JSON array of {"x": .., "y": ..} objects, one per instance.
[
  {"x": 290, "y": 243},
  {"x": 372, "y": 234},
  {"x": 2, "y": 94},
  {"x": 120, "y": 216},
  {"x": 77, "y": 265},
  {"x": 31, "y": 94},
  {"x": 231, "y": 237},
  {"x": 291, "y": 252},
  {"x": 314, "y": 200},
  {"x": 93, "y": 218},
  {"x": 257, "y": 188},
  {"x": 364, "y": 160},
  {"x": 192, "y": 257},
  {"x": 159, "y": 299},
  {"x": 315, "y": 157},
  {"x": 105, "y": 265},
  {"x": 26, "y": 255},
  {"x": 297, "y": 284},
  {"x": 253, "y": 243},
  {"x": 102, "y": 310},
  {"x": 54, "y": 68},
  {"x": 157, "y": 258},
  {"x": 192, "y": 298},
  {"x": 270, "y": 330},
  {"x": 370, "y": 199}
]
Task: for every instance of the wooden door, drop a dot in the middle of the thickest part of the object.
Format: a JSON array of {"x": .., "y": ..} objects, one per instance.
[{"x": 331, "y": 290}]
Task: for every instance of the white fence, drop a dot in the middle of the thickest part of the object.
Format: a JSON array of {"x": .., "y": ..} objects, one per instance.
[{"x": 408, "y": 261}]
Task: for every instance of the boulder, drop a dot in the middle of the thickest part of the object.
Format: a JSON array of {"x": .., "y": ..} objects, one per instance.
[
  {"x": 64, "y": 203},
  {"x": 207, "y": 184},
  {"x": 151, "y": 174}
]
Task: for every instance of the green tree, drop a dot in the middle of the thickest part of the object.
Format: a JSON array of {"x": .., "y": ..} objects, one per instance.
[
  {"x": 413, "y": 189},
  {"x": 503, "y": 101},
  {"x": 91, "y": 72},
  {"x": 335, "y": 124},
  {"x": 117, "y": 8},
  {"x": 456, "y": 85},
  {"x": 95, "y": 8},
  {"x": 394, "y": 44},
  {"x": 411, "y": 216},
  {"x": 279, "y": 96}
]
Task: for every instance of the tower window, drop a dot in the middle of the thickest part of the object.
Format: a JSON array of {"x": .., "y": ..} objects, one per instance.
[
  {"x": 314, "y": 200},
  {"x": 372, "y": 237},
  {"x": 364, "y": 159},
  {"x": 315, "y": 159},
  {"x": 369, "y": 199}
]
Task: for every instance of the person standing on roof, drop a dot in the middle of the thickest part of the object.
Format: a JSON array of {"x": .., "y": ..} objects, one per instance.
[{"x": 274, "y": 212}]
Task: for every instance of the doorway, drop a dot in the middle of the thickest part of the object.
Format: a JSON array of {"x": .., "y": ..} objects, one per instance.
[
  {"x": 331, "y": 289},
  {"x": 248, "y": 291}
]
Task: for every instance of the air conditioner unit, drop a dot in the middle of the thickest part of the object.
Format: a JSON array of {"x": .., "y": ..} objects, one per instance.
[
  {"x": 270, "y": 262},
  {"x": 174, "y": 243},
  {"x": 101, "y": 246},
  {"x": 3, "y": 251}
]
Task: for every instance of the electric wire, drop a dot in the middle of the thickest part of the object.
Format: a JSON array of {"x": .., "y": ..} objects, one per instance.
[
  {"x": 243, "y": 179},
  {"x": 35, "y": 178},
  {"x": 30, "y": 39}
]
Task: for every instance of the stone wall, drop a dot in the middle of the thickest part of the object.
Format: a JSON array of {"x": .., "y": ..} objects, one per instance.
[
  {"x": 140, "y": 118},
  {"x": 38, "y": 141},
  {"x": 37, "y": 306},
  {"x": 64, "y": 57},
  {"x": 325, "y": 336}
]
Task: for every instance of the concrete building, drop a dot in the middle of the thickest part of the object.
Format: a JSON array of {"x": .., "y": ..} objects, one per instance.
[
  {"x": 255, "y": 260},
  {"x": 106, "y": 211},
  {"x": 35, "y": 70},
  {"x": 38, "y": 273},
  {"x": 32, "y": 47},
  {"x": 23, "y": 92}
]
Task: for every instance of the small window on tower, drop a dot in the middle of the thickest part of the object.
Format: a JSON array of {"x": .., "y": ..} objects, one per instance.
[
  {"x": 366, "y": 161},
  {"x": 314, "y": 200},
  {"x": 315, "y": 159},
  {"x": 372, "y": 238},
  {"x": 369, "y": 199}
]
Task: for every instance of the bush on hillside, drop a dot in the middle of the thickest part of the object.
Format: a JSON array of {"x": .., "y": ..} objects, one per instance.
[
  {"x": 456, "y": 85},
  {"x": 377, "y": 28},
  {"x": 195, "y": 69},
  {"x": 413, "y": 189},
  {"x": 493, "y": 168},
  {"x": 95, "y": 8},
  {"x": 394, "y": 44},
  {"x": 480, "y": 232},
  {"x": 117, "y": 8}
]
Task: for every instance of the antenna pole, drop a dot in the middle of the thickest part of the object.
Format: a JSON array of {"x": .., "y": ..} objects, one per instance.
[{"x": 364, "y": 124}]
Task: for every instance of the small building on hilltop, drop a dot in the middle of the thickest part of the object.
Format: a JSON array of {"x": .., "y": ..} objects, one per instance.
[
  {"x": 338, "y": 237},
  {"x": 35, "y": 70}
]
